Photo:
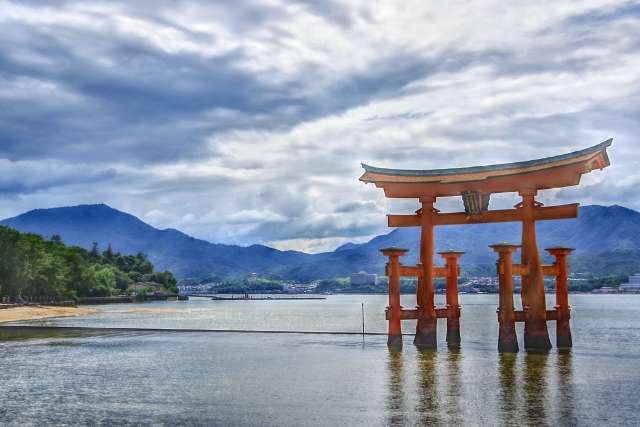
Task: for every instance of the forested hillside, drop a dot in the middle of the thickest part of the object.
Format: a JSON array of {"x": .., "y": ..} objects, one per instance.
[
  {"x": 31, "y": 265},
  {"x": 168, "y": 249}
]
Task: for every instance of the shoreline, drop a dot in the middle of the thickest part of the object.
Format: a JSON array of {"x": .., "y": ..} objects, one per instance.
[{"x": 37, "y": 312}]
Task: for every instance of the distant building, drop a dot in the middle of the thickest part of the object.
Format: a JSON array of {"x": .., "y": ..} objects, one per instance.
[
  {"x": 633, "y": 286},
  {"x": 605, "y": 290},
  {"x": 363, "y": 279},
  {"x": 299, "y": 288},
  {"x": 288, "y": 287}
]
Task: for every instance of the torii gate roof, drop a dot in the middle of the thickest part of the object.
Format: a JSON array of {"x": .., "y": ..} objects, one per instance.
[{"x": 549, "y": 172}]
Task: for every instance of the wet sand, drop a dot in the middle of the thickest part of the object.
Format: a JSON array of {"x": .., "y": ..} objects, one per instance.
[{"x": 41, "y": 312}]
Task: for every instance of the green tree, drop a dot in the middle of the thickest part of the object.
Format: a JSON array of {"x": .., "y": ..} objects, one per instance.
[
  {"x": 31, "y": 265},
  {"x": 9, "y": 260},
  {"x": 94, "y": 251},
  {"x": 108, "y": 254},
  {"x": 122, "y": 280}
]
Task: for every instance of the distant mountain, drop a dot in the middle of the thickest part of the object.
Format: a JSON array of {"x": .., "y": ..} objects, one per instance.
[
  {"x": 607, "y": 240},
  {"x": 168, "y": 249}
]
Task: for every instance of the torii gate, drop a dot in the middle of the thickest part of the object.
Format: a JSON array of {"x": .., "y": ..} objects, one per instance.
[{"x": 475, "y": 185}]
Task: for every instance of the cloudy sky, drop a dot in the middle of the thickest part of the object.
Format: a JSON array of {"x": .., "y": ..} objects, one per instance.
[{"x": 246, "y": 121}]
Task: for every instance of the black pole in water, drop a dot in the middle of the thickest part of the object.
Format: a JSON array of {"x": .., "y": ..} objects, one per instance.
[{"x": 363, "y": 320}]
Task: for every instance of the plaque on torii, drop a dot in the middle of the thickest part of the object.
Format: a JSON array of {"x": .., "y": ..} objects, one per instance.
[{"x": 475, "y": 185}]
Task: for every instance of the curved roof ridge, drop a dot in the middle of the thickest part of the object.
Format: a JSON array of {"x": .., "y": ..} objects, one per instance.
[{"x": 475, "y": 169}]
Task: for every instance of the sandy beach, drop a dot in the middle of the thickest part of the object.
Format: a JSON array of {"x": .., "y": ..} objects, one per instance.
[{"x": 41, "y": 312}]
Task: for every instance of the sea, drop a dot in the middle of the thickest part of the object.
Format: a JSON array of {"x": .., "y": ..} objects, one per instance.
[{"x": 196, "y": 363}]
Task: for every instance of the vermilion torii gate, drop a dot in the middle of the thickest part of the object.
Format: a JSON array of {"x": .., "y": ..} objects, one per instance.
[{"x": 475, "y": 185}]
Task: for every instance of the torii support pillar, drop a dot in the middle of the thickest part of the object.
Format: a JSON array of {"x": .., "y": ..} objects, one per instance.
[
  {"x": 426, "y": 326},
  {"x": 507, "y": 338},
  {"x": 394, "y": 339},
  {"x": 453, "y": 307},
  {"x": 536, "y": 335},
  {"x": 563, "y": 310}
]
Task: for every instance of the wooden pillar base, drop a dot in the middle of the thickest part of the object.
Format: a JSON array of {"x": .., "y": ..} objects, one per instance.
[
  {"x": 536, "y": 336},
  {"x": 507, "y": 338},
  {"x": 563, "y": 330},
  {"x": 394, "y": 310},
  {"x": 451, "y": 258},
  {"x": 563, "y": 334},
  {"x": 426, "y": 333},
  {"x": 394, "y": 342},
  {"x": 453, "y": 332}
]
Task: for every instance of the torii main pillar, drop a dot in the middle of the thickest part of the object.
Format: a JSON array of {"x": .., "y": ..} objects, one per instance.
[
  {"x": 536, "y": 335},
  {"x": 426, "y": 326}
]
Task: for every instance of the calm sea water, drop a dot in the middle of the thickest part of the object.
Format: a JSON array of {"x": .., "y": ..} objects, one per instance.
[{"x": 213, "y": 378}]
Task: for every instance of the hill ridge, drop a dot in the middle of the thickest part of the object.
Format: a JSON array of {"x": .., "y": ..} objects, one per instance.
[{"x": 599, "y": 229}]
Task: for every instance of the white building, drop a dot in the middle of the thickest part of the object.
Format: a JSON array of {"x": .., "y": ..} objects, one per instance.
[
  {"x": 633, "y": 286},
  {"x": 288, "y": 287},
  {"x": 362, "y": 278}
]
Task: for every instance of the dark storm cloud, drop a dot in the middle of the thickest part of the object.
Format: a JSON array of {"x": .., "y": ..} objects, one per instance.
[
  {"x": 333, "y": 11},
  {"x": 155, "y": 106},
  {"x": 25, "y": 178},
  {"x": 128, "y": 105},
  {"x": 604, "y": 16},
  {"x": 148, "y": 105},
  {"x": 563, "y": 131},
  {"x": 355, "y": 206}
]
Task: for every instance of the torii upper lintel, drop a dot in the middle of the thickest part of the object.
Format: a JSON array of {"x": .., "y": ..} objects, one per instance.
[{"x": 550, "y": 172}]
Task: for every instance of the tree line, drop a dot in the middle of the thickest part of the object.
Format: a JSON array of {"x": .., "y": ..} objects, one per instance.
[{"x": 31, "y": 266}]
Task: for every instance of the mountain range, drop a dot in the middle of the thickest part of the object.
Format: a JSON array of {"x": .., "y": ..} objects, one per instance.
[{"x": 606, "y": 238}]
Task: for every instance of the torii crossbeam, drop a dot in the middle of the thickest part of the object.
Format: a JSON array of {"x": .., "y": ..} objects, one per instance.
[{"x": 475, "y": 185}]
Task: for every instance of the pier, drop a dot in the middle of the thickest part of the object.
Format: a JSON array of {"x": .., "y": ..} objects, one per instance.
[{"x": 257, "y": 297}]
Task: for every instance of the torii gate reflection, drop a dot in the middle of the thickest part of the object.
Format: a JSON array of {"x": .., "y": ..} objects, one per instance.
[{"x": 475, "y": 185}]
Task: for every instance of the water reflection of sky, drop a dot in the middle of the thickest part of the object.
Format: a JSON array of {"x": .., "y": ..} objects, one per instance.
[{"x": 197, "y": 378}]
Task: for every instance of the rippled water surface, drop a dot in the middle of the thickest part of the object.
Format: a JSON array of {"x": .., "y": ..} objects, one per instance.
[{"x": 219, "y": 378}]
